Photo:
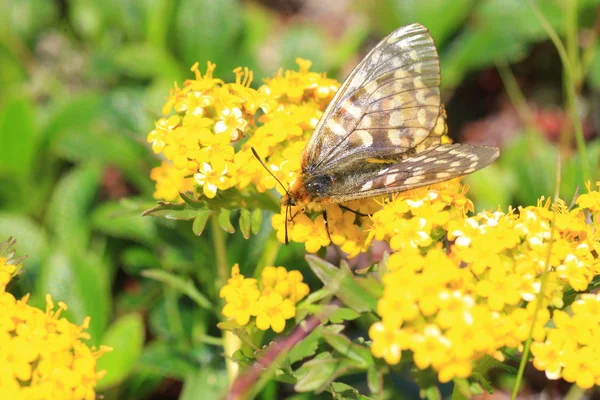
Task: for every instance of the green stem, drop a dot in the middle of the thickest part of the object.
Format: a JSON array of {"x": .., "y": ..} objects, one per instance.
[
  {"x": 230, "y": 342},
  {"x": 514, "y": 93},
  {"x": 538, "y": 306},
  {"x": 570, "y": 79},
  {"x": 220, "y": 247},
  {"x": 575, "y": 392}
]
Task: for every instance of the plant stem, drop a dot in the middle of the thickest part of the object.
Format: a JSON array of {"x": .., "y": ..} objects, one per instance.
[
  {"x": 220, "y": 248},
  {"x": 231, "y": 343},
  {"x": 571, "y": 82},
  {"x": 515, "y": 94},
  {"x": 538, "y": 306}
]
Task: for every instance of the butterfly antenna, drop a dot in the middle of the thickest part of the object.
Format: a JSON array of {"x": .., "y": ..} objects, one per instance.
[
  {"x": 268, "y": 170},
  {"x": 287, "y": 213}
]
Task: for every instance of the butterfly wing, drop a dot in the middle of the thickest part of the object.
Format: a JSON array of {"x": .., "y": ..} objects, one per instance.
[
  {"x": 388, "y": 105},
  {"x": 433, "y": 165}
]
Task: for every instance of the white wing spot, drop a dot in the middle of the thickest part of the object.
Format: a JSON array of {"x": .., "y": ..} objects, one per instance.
[
  {"x": 422, "y": 116},
  {"x": 473, "y": 165},
  {"x": 455, "y": 164},
  {"x": 418, "y": 82},
  {"x": 394, "y": 138},
  {"x": 365, "y": 138},
  {"x": 336, "y": 128},
  {"x": 390, "y": 179},
  {"x": 415, "y": 159},
  {"x": 367, "y": 186},
  {"x": 400, "y": 73},
  {"x": 413, "y": 55},
  {"x": 443, "y": 175},
  {"x": 353, "y": 110},
  {"x": 414, "y": 179},
  {"x": 396, "y": 118}
]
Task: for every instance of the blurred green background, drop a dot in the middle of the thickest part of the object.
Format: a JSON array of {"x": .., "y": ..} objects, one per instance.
[{"x": 82, "y": 81}]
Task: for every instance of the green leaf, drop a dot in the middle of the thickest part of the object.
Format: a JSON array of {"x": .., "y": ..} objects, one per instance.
[
  {"x": 106, "y": 148},
  {"x": 245, "y": 222},
  {"x": 137, "y": 258},
  {"x": 112, "y": 220},
  {"x": 68, "y": 209},
  {"x": 307, "y": 347},
  {"x": 342, "y": 391},
  {"x": 82, "y": 281},
  {"x": 342, "y": 314},
  {"x": 208, "y": 30},
  {"x": 318, "y": 373},
  {"x": 441, "y": 17},
  {"x": 144, "y": 61},
  {"x": 303, "y": 41},
  {"x": 343, "y": 284},
  {"x": 162, "y": 358},
  {"x": 206, "y": 383},
  {"x": 256, "y": 220},
  {"x": 185, "y": 286},
  {"x": 126, "y": 337},
  {"x": 76, "y": 114},
  {"x": 225, "y": 221},
  {"x": 374, "y": 380},
  {"x": 200, "y": 221},
  {"x": 353, "y": 351},
  {"x": 177, "y": 211},
  {"x": 18, "y": 139},
  {"x": 31, "y": 241}
]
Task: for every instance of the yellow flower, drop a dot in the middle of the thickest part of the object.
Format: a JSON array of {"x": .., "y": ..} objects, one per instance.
[
  {"x": 242, "y": 304},
  {"x": 388, "y": 342},
  {"x": 164, "y": 127},
  {"x": 590, "y": 200},
  {"x": 211, "y": 179},
  {"x": 272, "y": 304},
  {"x": 44, "y": 355},
  {"x": 7, "y": 271},
  {"x": 170, "y": 181},
  {"x": 231, "y": 122},
  {"x": 272, "y": 312},
  {"x": 571, "y": 349}
]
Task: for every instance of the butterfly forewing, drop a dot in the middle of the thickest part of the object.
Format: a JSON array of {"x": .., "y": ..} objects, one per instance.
[{"x": 388, "y": 105}]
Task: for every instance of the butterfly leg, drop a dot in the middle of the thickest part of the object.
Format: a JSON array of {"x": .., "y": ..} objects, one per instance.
[
  {"x": 355, "y": 212},
  {"x": 327, "y": 225}
]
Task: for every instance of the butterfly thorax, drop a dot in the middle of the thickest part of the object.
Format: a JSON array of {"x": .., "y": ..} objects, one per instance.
[{"x": 309, "y": 189}]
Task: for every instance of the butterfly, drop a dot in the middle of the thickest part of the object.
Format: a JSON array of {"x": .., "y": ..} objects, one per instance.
[{"x": 382, "y": 132}]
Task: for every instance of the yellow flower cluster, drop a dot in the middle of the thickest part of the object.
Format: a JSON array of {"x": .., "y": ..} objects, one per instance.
[
  {"x": 7, "y": 271},
  {"x": 460, "y": 288},
  {"x": 215, "y": 124},
  {"x": 272, "y": 302},
  {"x": 571, "y": 349},
  {"x": 43, "y": 356}
]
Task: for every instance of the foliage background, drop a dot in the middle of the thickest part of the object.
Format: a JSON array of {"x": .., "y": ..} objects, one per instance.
[{"x": 83, "y": 80}]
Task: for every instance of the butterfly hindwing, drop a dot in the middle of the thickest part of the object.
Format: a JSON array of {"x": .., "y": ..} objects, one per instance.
[
  {"x": 430, "y": 166},
  {"x": 388, "y": 105}
]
